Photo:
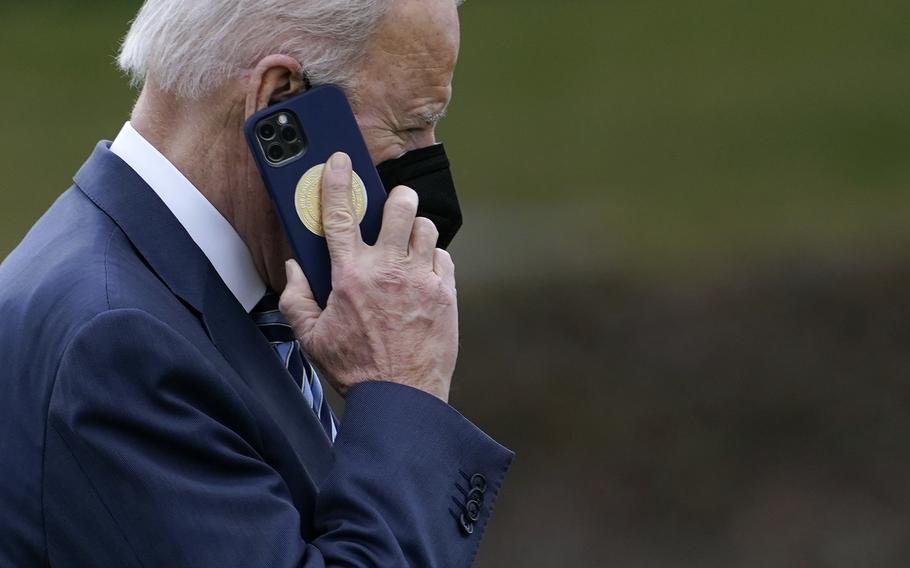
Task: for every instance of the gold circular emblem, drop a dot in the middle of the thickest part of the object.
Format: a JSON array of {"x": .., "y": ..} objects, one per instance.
[{"x": 308, "y": 202}]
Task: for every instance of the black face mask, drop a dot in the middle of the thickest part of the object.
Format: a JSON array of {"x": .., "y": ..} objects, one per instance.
[{"x": 427, "y": 172}]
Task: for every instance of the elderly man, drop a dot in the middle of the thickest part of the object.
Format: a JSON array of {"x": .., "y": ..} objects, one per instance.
[{"x": 145, "y": 419}]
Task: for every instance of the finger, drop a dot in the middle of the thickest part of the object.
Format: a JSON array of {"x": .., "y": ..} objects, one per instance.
[
  {"x": 297, "y": 303},
  {"x": 423, "y": 241},
  {"x": 444, "y": 267},
  {"x": 398, "y": 219},
  {"x": 338, "y": 219}
]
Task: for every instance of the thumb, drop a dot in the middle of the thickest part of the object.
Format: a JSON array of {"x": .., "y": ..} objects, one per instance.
[{"x": 297, "y": 303}]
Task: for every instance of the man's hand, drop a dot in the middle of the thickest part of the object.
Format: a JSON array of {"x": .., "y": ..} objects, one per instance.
[{"x": 393, "y": 312}]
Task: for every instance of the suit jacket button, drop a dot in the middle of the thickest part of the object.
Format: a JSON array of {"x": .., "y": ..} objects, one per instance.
[
  {"x": 476, "y": 495},
  {"x": 472, "y": 508},
  {"x": 466, "y": 526},
  {"x": 479, "y": 482}
]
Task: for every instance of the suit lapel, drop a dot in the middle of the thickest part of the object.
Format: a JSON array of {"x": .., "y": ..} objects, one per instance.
[
  {"x": 245, "y": 348},
  {"x": 154, "y": 231}
]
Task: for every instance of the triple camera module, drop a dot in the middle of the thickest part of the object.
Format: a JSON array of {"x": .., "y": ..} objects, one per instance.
[{"x": 281, "y": 138}]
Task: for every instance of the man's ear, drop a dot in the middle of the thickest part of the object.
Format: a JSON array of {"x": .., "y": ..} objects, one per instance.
[{"x": 275, "y": 78}]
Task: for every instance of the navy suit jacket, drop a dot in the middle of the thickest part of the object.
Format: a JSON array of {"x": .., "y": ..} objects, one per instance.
[{"x": 144, "y": 420}]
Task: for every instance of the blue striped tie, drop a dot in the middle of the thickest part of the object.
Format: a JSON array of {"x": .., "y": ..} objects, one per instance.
[{"x": 280, "y": 335}]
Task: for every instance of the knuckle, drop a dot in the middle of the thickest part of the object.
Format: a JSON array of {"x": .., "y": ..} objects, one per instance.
[
  {"x": 289, "y": 307},
  {"x": 405, "y": 200},
  {"x": 446, "y": 294},
  {"x": 342, "y": 289},
  {"x": 404, "y": 208},
  {"x": 335, "y": 178},
  {"x": 346, "y": 282},
  {"x": 285, "y": 304},
  {"x": 391, "y": 277},
  {"x": 427, "y": 227},
  {"x": 337, "y": 219},
  {"x": 444, "y": 258},
  {"x": 337, "y": 183}
]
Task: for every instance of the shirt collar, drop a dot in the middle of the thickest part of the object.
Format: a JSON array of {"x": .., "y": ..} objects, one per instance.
[{"x": 211, "y": 232}]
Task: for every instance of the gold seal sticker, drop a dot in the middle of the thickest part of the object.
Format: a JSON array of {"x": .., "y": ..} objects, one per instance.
[{"x": 308, "y": 202}]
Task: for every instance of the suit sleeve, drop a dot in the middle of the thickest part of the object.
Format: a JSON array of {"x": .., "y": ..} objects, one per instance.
[{"x": 151, "y": 460}]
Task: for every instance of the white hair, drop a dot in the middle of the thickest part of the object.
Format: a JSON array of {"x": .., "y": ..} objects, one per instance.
[{"x": 193, "y": 47}]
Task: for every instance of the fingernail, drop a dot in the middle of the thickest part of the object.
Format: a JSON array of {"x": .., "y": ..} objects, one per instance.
[{"x": 340, "y": 162}]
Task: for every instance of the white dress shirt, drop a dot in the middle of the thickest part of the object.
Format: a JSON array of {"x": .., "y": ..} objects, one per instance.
[{"x": 210, "y": 231}]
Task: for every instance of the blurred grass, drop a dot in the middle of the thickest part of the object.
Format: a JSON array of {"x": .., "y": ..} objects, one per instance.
[
  {"x": 690, "y": 133},
  {"x": 693, "y": 132},
  {"x": 61, "y": 94}
]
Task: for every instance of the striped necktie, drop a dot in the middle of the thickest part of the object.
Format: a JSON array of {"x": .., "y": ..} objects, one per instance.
[{"x": 280, "y": 335}]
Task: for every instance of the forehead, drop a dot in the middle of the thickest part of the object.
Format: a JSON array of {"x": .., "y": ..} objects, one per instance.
[
  {"x": 412, "y": 55},
  {"x": 412, "y": 26}
]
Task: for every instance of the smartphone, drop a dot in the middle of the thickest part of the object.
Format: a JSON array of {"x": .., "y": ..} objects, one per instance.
[{"x": 291, "y": 142}]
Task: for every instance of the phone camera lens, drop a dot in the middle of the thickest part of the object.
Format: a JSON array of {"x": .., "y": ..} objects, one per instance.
[
  {"x": 289, "y": 133},
  {"x": 276, "y": 152},
  {"x": 267, "y": 131}
]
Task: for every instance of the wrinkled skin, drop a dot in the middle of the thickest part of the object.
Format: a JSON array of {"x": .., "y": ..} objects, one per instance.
[{"x": 393, "y": 313}]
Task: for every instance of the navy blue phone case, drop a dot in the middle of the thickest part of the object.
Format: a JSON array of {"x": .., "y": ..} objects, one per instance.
[{"x": 329, "y": 126}]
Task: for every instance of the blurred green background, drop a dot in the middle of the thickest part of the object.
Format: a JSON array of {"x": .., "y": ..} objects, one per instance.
[{"x": 684, "y": 272}]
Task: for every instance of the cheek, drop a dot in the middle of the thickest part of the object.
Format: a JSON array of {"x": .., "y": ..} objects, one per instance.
[
  {"x": 383, "y": 143},
  {"x": 378, "y": 128}
]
